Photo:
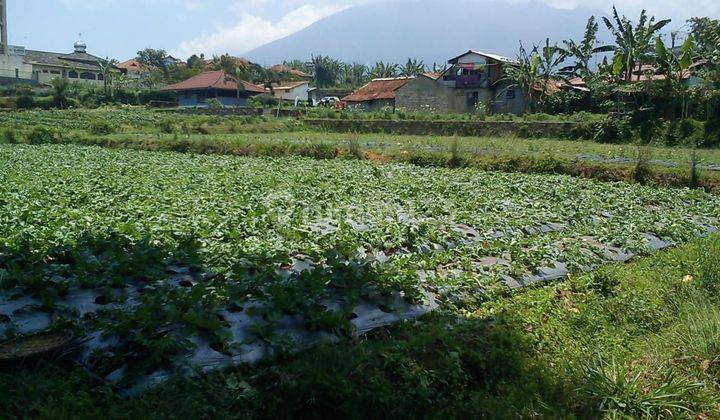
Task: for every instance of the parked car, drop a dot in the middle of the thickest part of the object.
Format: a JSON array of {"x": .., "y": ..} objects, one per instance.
[{"x": 329, "y": 101}]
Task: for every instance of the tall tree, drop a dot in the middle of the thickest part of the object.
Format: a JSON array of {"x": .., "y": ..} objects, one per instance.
[
  {"x": 676, "y": 67},
  {"x": 354, "y": 74},
  {"x": 526, "y": 75},
  {"x": 153, "y": 58},
  {"x": 633, "y": 43},
  {"x": 584, "y": 51},
  {"x": 107, "y": 68},
  {"x": 326, "y": 70},
  {"x": 412, "y": 68},
  {"x": 383, "y": 70}
]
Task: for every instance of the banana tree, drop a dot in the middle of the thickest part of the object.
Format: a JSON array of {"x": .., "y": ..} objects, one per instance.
[
  {"x": 412, "y": 68},
  {"x": 633, "y": 43},
  {"x": 107, "y": 69},
  {"x": 584, "y": 50},
  {"x": 384, "y": 70},
  {"x": 525, "y": 76},
  {"x": 676, "y": 67}
]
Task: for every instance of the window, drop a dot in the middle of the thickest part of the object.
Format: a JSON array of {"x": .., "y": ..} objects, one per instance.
[
  {"x": 87, "y": 76},
  {"x": 73, "y": 74},
  {"x": 101, "y": 77},
  {"x": 54, "y": 71},
  {"x": 472, "y": 99},
  {"x": 510, "y": 93}
]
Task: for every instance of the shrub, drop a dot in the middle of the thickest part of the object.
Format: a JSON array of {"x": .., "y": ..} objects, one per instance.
[
  {"x": 24, "y": 102},
  {"x": 9, "y": 136},
  {"x": 613, "y": 130},
  {"x": 102, "y": 127},
  {"x": 264, "y": 100},
  {"x": 167, "y": 126},
  {"x": 620, "y": 393},
  {"x": 711, "y": 136},
  {"x": 42, "y": 134},
  {"x": 643, "y": 172}
]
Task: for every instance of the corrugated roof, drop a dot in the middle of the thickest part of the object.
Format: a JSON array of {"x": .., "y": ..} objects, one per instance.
[
  {"x": 378, "y": 89},
  {"x": 80, "y": 61},
  {"x": 488, "y": 55},
  {"x": 212, "y": 80},
  {"x": 289, "y": 85},
  {"x": 432, "y": 75}
]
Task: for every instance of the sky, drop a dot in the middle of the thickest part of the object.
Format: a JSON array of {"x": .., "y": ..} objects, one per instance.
[{"x": 119, "y": 28}]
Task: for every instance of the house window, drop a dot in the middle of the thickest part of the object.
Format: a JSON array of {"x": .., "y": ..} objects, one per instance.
[
  {"x": 55, "y": 71},
  {"x": 472, "y": 99},
  {"x": 510, "y": 93},
  {"x": 73, "y": 74},
  {"x": 87, "y": 76},
  {"x": 101, "y": 77}
]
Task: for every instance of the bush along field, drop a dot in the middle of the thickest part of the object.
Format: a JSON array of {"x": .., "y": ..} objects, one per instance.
[
  {"x": 165, "y": 265},
  {"x": 647, "y": 159}
]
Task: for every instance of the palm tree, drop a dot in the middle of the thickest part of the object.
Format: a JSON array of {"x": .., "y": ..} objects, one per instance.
[
  {"x": 235, "y": 76},
  {"x": 412, "y": 68},
  {"x": 584, "y": 51},
  {"x": 633, "y": 43},
  {"x": 326, "y": 70}
]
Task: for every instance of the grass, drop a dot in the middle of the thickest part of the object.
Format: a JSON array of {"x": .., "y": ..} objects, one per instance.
[{"x": 603, "y": 345}]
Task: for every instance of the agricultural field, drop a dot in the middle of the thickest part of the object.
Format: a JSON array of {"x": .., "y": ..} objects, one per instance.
[{"x": 164, "y": 260}]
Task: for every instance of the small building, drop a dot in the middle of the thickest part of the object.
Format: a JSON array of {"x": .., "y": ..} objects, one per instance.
[
  {"x": 292, "y": 91},
  {"x": 377, "y": 95},
  {"x": 19, "y": 65},
  {"x": 473, "y": 81},
  {"x": 134, "y": 69},
  {"x": 196, "y": 91}
]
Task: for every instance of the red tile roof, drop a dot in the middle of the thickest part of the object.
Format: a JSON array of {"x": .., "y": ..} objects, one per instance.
[
  {"x": 133, "y": 65},
  {"x": 213, "y": 80},
  {"x": 378, "y": 89}
]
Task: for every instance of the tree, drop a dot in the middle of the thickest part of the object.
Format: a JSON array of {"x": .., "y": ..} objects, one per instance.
[
  {"x": 412, "y": 68},
  {"x": 235, "y": 76},
  {"x": 354, "y": 74},
  {"x": 633, "y": 44},
  {"x": 676, "y": 67},
  {"x": 383, "y": 70},
  {"x": 526, "y": 74},
  {"x": 326, "y": 70},
  {"x": 107, "y": 68},
  {"x": 60, "y": 90},
  {"x": 153, "y": 58},
  {"x": 584, "y": 51}
]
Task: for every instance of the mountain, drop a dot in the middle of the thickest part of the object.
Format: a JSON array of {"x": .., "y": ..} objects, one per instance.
[{"x": 426, "y": 29}]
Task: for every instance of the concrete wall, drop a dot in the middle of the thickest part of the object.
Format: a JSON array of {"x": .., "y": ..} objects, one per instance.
[
  {"x": 14, "y": 66},
  {"x": 426, "y": 95},
  {"x": 372, "y": 106},
  {"x": 199, "y": 99},
  {"x": 300, "y": 92}
]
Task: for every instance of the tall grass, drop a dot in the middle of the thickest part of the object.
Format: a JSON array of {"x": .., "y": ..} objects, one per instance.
[{"x": 618, "y": 392}]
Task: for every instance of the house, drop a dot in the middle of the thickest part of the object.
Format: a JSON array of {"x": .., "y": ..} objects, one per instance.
[
  {"x": 18, "y": 65},
  {"x": 377, "y": 95},
  {"x": 292, "y": 91},
  {"x": 134, "y": 69},
  {"x": 472, "y": 80},
  {"x": 198, "y": 90}
]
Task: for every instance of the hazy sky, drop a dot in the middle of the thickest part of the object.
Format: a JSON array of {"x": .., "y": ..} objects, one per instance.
[{"x": 119, "y": 28}]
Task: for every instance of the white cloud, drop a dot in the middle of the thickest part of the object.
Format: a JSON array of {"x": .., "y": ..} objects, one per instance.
[{"x": 253, "y": 31}]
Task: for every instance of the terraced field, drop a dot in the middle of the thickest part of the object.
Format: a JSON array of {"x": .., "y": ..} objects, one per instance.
[{"x": 160, "y": 259}]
